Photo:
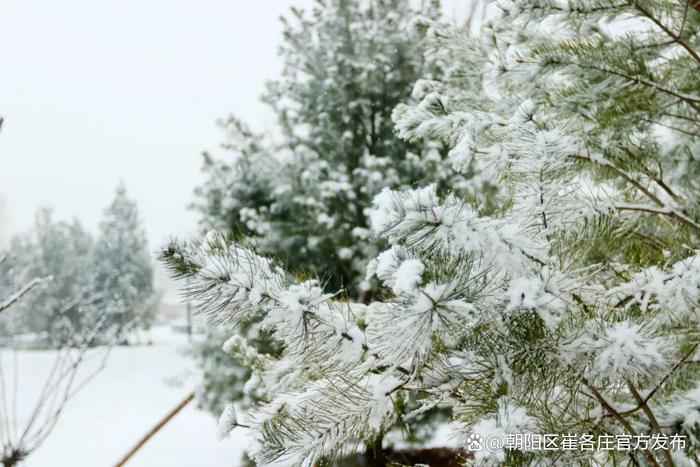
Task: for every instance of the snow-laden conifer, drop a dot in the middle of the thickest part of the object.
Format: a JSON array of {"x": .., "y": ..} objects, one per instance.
[
  {"x": 559, "y": 297},
  {"x": 301, "y": 194}
]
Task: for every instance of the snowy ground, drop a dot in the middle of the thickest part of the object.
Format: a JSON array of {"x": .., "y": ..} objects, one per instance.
[{"x": 139, "y": 385}]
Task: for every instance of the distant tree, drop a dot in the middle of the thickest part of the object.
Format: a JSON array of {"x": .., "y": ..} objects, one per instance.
[
  {"x": 62, "y": 253},
  {"x": 83, "y": 278},
  {"x": 123, "y": 268}
]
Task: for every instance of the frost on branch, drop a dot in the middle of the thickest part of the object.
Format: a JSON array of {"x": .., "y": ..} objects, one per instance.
[
  {"x": 675, "y": 292},
  {"x": 227, "y": 421}
]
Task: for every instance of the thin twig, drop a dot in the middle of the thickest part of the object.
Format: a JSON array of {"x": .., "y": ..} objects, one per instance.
[
  {"x": 154, "y": 430},
  {"x": 20, "y": 293},
  {"x": 677, "y": 39},
  {"x": 623, "y": 174},
  {"x": 618, "y": 416},
  {"x": 664, "y": 211},
  {"x": 693, "y": 101},
  {"x": 651, "y": 417},
  {"x": 671, "y": 372},
  {"x": 666, "y": 377}
]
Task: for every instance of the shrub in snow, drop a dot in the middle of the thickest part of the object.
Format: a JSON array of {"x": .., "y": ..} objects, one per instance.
[{"x": 48, "y": 297}]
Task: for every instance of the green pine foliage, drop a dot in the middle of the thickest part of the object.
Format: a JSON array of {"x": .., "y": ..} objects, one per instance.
[
  {"x": 123, "y": 268},
  {"x": 556, "y": 289},
  {"x": 302, "y": 199},
  {"x": 302, "y": 196}
]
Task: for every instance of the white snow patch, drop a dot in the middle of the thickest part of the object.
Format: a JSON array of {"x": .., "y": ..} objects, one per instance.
[{"x": 408, "y": 276}]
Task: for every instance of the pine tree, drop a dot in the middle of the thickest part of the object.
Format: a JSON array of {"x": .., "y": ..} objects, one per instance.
[
  {"x": 569, "y": 303},
  {"x": 303, "y": 199},
  {"x": 123, "y": 263},
  {"x": 347, "y": 64},
  {"x": 61, "y": 253}
]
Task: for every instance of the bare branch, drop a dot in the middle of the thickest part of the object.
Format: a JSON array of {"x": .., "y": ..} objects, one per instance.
[
  {"x": 155, "y": 430},
  {"x": 20, "y": 293},
  {"x": 617, "y": 415},
  {"x": 651, "y": 417},
  {"x": 664, "y": 211}
]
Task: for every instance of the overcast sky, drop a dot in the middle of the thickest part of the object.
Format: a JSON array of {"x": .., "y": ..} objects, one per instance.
[{"x": 97, "y": 91}]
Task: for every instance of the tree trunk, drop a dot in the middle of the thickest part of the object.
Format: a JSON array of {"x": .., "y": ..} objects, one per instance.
[
  {"x": 13, "y": 458},
  {"x": 374, "y": 453}
]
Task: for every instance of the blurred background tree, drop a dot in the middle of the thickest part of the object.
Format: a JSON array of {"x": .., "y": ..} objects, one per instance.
[
  {"x": 123, "y": 268},
  {"x": 110, "y": 279},
  {"x": 62, "y": 252}
]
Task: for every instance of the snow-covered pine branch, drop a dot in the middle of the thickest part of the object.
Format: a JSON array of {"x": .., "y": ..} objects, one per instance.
[{"x": 231, "y": 285}]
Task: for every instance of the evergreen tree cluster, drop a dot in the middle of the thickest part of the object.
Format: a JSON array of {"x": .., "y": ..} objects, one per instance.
[
  {"x": 553, "y": 288},
  {"x": 86, "y": 284}
]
